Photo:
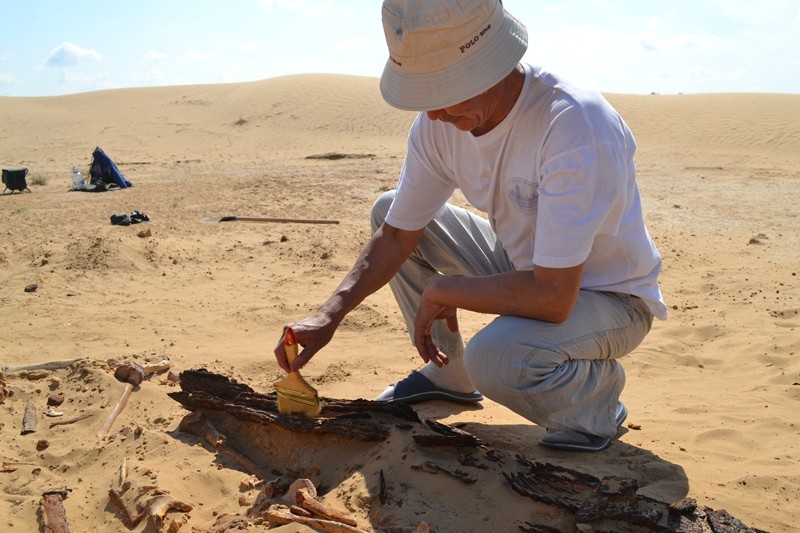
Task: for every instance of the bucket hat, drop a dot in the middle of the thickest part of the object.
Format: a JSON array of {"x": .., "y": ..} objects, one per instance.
[{"x": 442, "y": 52}]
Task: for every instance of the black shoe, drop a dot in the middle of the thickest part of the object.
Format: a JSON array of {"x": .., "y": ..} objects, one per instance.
[
  {"x": 138, "y": 216},
  {"x": 120, "y": 220}
]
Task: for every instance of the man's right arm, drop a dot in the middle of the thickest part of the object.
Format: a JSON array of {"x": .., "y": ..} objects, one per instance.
[{"x": 378, "y": 262}]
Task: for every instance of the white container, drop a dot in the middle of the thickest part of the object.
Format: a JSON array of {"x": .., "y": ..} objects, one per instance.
[{"x": 77, "y": 178}]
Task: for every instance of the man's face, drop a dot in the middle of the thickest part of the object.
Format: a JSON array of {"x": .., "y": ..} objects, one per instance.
[{"x": 469, "y": 115}]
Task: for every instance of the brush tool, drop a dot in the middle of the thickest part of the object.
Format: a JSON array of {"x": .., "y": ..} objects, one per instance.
[{"x": 295, "y": 395}]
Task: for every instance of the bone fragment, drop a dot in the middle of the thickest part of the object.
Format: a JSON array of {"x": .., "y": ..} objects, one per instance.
[
  {"x": 196, "y": 423},
  {"x": 70, "y": 420},
  {"x": 297, "y": 484},
  {"x": 123, "y": 473},
  {"x": 133, "y": 374},
  {"x": 156, "y": 508},
  {"x": 52, "y": 365},
  {"x": 53, "y": 413},
  {"x": 299, "y": 511},
  {"x": 52, "y": 512},
  {"x": 226, "y": 523},
  {"x": 314, "y": 506},
  {"x": 11, "y": 466},
  {"x": 326, "y": 526},
  {"x": 123, "y": 400},
  {"x": 4, "y": 392},
  {"x": 154, "y": 368},
  {"x": 131, "y": 519},
  {"x": 29, "y": 419}
]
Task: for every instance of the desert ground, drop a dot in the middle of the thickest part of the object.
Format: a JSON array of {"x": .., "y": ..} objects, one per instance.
[{"x": 713, "y": 392}]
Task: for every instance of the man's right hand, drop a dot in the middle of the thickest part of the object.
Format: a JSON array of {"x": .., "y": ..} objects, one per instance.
[
  {"x": 313, "y": 333},
  {"x": 380, "y": 259}
]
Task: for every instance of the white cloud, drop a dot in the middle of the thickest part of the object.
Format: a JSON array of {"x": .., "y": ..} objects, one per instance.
[
  {"x": 195, "y": 56},
  {"x": 649, "y": 42},
  {"x": 67, "y": 53},
  {"x": 8, "y": 79},
  {"x": 153, "y": 56},
  {"x": 148, "y": 76},
  {"x": 271, "y": 5},
  {"x": 85, "y": 82}
]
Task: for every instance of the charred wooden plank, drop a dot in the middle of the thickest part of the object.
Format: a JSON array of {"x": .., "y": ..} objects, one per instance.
[
  {"x": 446, "y": 436},
  {"x": 587, "y": 502},
  {"x": 52, "y": 513},
  {"x": 551, "y": 484},
  {"x": 29, "y": 419},
  {"x": 722, "y": 522},
  {"x": 211, "y": 383},
  {"x": 615, "y": 500},
  {"x": 357, "y": 419}
]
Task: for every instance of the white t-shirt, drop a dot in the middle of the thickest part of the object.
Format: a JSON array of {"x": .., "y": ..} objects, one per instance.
[{"x": 556, "y": 179}]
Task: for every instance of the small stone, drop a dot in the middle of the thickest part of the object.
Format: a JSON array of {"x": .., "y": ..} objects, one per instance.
[
  {"x": 32, "y": 287},
  {"x": 55, "y": 400},
  {"x": 42, "y": 444}
]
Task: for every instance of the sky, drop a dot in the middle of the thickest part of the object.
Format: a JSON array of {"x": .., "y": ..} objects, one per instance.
[{"x": 53, "y": 47}]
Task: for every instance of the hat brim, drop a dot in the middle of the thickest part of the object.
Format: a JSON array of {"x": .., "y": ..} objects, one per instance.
[{"x": 461, "y": 81}]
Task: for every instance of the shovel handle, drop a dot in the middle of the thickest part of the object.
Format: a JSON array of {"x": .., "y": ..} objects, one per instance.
[{"x": 232, "y": 218}]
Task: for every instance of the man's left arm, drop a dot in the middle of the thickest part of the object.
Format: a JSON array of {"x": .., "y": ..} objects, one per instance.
[{"x": 547, "y": 294}]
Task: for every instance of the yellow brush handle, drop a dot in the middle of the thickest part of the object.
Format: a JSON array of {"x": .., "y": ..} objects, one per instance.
[{"x": 290, "y": 345}]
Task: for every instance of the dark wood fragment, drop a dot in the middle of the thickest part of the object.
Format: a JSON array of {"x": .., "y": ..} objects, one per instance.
[
  {"x": 722, "y": 522},
  {"x": 356, "y": 419},
  {"x": 434, "y": 468},
  {"x": 446, "y": 436},
  {"x": 382, "y": 496},
  {"x": 587, "y": 503},
  {"x": 551, "y": 484},
  {"x": 527, "y": 527},
  {"x": 29, "y": 419},
  {"x": 53, "y": 516},
  {"x": 616, "y": 499},
  {"x": 211, "y": 383}
]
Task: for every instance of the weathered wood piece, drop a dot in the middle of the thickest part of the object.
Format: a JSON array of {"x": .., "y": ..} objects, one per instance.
[
  {"x": 196, "y": 424},
  {"x": 434, "y": 468},
  {"x": 347, "y": 418},
  {"x": 612, "y": 504},
  {"x": 587, "y": 503},
  {"x": 53, "y": 516},
  {"x": 29, "y": 418},
  {"x": 51, "y": 365},
  {"x": 446, "y": 436}
]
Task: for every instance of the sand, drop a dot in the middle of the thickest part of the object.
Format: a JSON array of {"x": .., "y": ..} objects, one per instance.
[{"x": 713, "y": 392}]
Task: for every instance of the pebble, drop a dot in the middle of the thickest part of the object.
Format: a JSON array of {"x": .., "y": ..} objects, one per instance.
[{"x": 55, "y": 400}]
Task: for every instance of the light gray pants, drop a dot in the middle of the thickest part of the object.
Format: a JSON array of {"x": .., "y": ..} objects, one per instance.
[{"x": 560, "y": 376}]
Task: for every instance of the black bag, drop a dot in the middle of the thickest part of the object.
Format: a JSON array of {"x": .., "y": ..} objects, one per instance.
[{"x": 14, "y": 179}]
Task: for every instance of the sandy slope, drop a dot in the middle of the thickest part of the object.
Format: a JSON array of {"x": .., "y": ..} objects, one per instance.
[{"x": 713, "y": 392}]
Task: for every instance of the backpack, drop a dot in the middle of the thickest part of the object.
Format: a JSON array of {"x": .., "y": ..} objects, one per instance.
[{"x": 104, "y": 171}]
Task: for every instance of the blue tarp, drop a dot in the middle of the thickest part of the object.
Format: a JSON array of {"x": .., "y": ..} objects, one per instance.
[{"x": 104, "y": 170}]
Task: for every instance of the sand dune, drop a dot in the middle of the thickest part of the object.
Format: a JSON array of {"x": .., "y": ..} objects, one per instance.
[{"x": 713, "y": 392}]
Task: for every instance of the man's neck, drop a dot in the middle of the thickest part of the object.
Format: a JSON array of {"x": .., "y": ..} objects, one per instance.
[{"x": 504, "y": 95}]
